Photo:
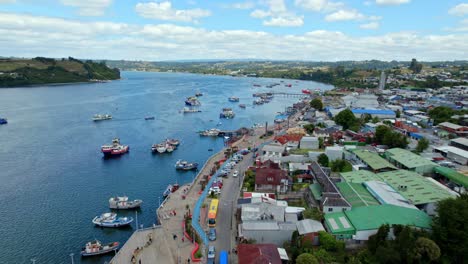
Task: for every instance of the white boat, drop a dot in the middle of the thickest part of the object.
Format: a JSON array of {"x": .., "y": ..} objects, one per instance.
[
  {"x": 233, "y": 99},
  {"x": 95, "y": 247},
  {"x": 161, "y": 147},
  {"x": 214, "y": 132},
  {"x": 101, "y": 117},
  {"x": 169, "y": 148},
  {"x": 190, "y": 110},
  {"x": 122, "y": 202},
  {"x": 111, "y": 220}
]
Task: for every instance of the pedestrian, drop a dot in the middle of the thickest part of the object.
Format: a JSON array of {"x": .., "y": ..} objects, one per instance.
[{"x": 183, "y": 239}]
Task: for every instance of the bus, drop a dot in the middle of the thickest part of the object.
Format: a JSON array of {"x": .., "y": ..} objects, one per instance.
[
  {"x": 223, "y": 257},
  {"x": 212, "y": 213}
]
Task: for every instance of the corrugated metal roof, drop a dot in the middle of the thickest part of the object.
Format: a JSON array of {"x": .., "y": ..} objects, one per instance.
[
  {"x": 307, "y": 226},
  {"x": 408, "y": 158},
  {"x": 373, "y": 160},
  {"x": 356, "y": 194},
  {"x": 453, "y": 175}
]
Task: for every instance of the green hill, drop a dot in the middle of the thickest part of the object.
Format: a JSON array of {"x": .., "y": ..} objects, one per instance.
[{"x": 40, "y": 70}]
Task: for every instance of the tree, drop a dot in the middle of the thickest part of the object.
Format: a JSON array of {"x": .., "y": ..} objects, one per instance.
[
  {"x": 323, "y": 256},
  {"x": 450, "y": 228},
  {"x": 375, "y": 120},
  {"x": 398, "y": 113},
  {"x": 312, "y": 213},
  {"x": 379, "y": 239},
  {"x": 380, "y": 132},
  {"x": 329, "y": 242},
  {"x": 423, "y": 144},
  {"x": 306, "y": 258},
  {"x": 425, "y": 250},
  {"x": 340, "y": 166},
  {"x": 346, "y": 119},
  {"x": 387, "y": 255},
  {"x": 415, "y": 66},
  {"x": 317, "y": 104},
  {"x": 322, "y": 159},
  {"x": 441, "y": 114},
  {"x": 309, "y": 128}
]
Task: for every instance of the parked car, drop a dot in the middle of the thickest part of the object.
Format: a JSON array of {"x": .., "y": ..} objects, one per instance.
[
  {"x": 212, "y": 234},
  {"x": 235, "y": 173},
  {"x": 211, "y": 254}
]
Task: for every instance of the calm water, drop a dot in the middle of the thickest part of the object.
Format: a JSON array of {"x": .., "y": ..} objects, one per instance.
[{"x": 53, "y": 179}]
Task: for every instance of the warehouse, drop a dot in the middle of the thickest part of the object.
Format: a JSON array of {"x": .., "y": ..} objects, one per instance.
[
  {"x": 405, "y": 159},
  {"x": 454, "y": 154},
  {"x": 372, "y": 160},
  {"x": 379, "y": 113}
]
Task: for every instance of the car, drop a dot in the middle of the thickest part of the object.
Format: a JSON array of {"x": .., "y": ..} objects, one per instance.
[
  {"x": 235, "y": 174},
  {"x": 211, "y": 253},
  {"x": 212, "y": 234}
]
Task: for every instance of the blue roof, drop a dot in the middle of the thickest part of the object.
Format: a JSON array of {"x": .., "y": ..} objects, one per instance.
[{"x": 373, "y": 111}]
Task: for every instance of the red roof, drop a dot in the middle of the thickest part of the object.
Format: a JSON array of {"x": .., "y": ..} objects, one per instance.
[
  {"x": 269, "y": 176},
  {"x": 289, "y": 138},
  {"x": 304, "y": 176},
  {"x": 258, "y": 254},
  {"x": 269, "y": 164}
]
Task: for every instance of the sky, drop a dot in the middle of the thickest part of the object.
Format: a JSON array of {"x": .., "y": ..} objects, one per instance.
[{"x": 309, "y": 30}]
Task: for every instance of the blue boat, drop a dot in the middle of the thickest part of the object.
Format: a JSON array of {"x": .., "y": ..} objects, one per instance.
[
  {"x": 111, "y": 220},
  {"x": 3, "y": 121}
]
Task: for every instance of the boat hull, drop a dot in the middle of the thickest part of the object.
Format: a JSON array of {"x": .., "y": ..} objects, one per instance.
[
  {"x": 110, "y": 249},
  {"x": 120, "y": 222},
  {"x": 129, "y": 205}
]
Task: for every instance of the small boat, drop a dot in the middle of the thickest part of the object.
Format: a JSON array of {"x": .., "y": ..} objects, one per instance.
[
  {"x": 242, "y": 106},
  {"x": 111, "y": 220},
  {"x": 95, "y": 247},
  {"x": 258, "y": 101},
  {"x": 288, "y": 85},
  {"x": 227, "y": 113},
  {"x": 101, "y": 117},
  {"x": 169, "y": 148},
  {"x": 198, "y": 94},
  {"x": 173, "y": 142},
  {"x": 122, "y": 202},
  {"x": 192, "y": 101},
  {"x": 149, "y": 118},
  {"x": 233, "y": 99},
  {"x": 304, "y": 91},
  {"x": 214, "y": 132},
  {"x": 160, "y": 148},
  {"x": 256, "y": 85},
  {"x": 184, "y": 165},
  {"x": 210, "y": 149},
  {"x": 115, "y": 149},
  {"x": 189, "y": 110},
  {"x": 3, "y": 121}
]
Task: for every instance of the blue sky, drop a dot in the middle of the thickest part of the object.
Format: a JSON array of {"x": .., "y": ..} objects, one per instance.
[{"x": 263, "y": 29}]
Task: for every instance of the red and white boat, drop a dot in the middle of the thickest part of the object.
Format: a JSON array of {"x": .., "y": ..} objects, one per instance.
[
  {"x": 115, "y": 149},
  {"x": 304, "y": 91}
]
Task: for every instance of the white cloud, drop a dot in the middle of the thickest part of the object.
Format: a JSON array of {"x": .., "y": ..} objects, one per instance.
[
  {"x": 260, "y": 13},
  {"x": 88, "y": 7},
  {"x": 285, "y": 22},
  {"x": 344, "y": 15},
  {"x": 30, "y": 36},
  {"x": 241, "y": 5},
  {"x": 164, "y": 11},
  {"x": 459, "y": 10},
  {"x": 319, "y": 5},
  {"x": 391, "y": 2},
  {"x": 371, "y": 25}
]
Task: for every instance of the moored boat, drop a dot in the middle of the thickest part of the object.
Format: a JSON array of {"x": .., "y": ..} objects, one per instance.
[
  {"x": 214, "y": 132},
  {"x": 198, "y": 94},
  {"x": 170, "y": 189},
  {"x": 101, "y": 117},
  {"x": 192, "y": 101},
  {"x": 149, "y": 118},
  {"x": 111, "y": 220},
  {"x": 173, "y": 142},
  {"x": 160, "y": 148},
  {"x": 169, "y": 148},
  {"x": 122, "y": 202},
  {"x": 233, "y": 99},
  {"x": 304, "y": 91},
  {"x": 3, "y": 121},
  {"x": 115, "y": 149},
  {"x": 184, "y": 165},
  {"x": 190, "y": 110},
  {"x": 95, "y": 247},
  {"x": 227, "y": 113},
  {"x": 242, "y": 105}
]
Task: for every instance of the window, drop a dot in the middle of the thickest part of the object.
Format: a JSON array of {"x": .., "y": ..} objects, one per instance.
[
  {"x": 330, "y": 209},
  {"x": 270, "y": 179}
]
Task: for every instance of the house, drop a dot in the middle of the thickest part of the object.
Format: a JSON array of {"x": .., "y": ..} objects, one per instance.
[
  {"x": 461, "y": 143},
  {"x": 289, "y": 140},
  {"x": 267, "y": 231},
  {"x": 334, "y": 153},
  {"x": 258, "y": 254},
  {"x": 360, "y": 223},
  {"x": 271, "y": 179},
  {"x": 457, "y": 181},
  {"x": 460, "y": 131},
  {"x": 309, "y": 143},
  {"x": 309, "y": 229},
  {"x": 454, "y": 154},
  {"x": 273, "y": 151},
  {"x": 379, "y": 113}
]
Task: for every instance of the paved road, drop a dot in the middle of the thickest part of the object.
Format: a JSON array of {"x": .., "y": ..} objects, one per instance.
[{"x": 225, "y": 229}]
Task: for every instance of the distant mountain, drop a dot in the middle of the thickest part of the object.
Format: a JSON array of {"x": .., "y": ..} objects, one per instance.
[{"x": 40, "y": 70}]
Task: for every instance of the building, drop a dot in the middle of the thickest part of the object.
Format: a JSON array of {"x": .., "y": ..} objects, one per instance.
[
  {"x": 361, "y": 222},
  {"x": 404, "y": 159},
  {"x": 309, "y": 229},
  {"x": 271, "y": 179},
  {"x": 262, "y": 211},
  {"x": 385, "y": 194},
  {"x": 379, "y": 113},
  {"x": 372, "y": 160},
  {"x": 454, "y": 154},
  {"x": 258, "y": 254},
  {"x": 461, "y": 143},
  {"x": 334, "y": 153},
  {"x": 382, "y": 81},
  {"x": 460, "y": 131},
  {"x": 273, "y": 151},
  {"x": 267, "y": 231},
  {"x": 456, "y": 181},
  {"x": 309, "y": 143},
  {"x": 356, "y": 194}
]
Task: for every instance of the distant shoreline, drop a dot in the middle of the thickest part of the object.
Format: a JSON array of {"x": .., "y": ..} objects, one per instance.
[{"x": 55, "y": 84}]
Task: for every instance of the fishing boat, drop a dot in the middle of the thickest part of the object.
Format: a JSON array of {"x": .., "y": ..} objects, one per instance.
[
  {"x": 190, "y": 110},
  {"x": 122, "y": 202},
  {"x": 258, "y": 101},
  {"x": 242, "y": 106},
  {"x": 304, "y": 91},
  {"x": 170, "y": 189},
  {"x": 3, "y": 121},
  {"x": 233, "y": 99},
  {"x": 256, "y": 85},
  {"x": 214, "y": 132},
  {"x": 184, "y": 165},
  {"x": 101, "y": 117},
  {"x": 169, "y": 148},
  {"x": 192, "y": 101},
  {"x": 173, "y": 142},
  {"x": 160, "y": 148},
  {"x": 95, "y": 247},
  {"x": 149, "y": 118},
  {"x": 288, "y": 85},
  {"x": 198, "y": 94},
  {"x": 111, "y": 220},
  {"x": 227, "y": 113},
  {"x": 115, "y": 149}
]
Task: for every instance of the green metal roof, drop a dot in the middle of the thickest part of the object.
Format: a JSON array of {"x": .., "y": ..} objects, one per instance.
[
  {"x": 372, "y": 217},
  {"x": 316, "y": 190},
  {"x": 359, "y": 176},
  {"x": 356, "y": 194},
  {"x": 339, "y": 224},
  {"x": 373, "y": 160},
  {"x": 453, "y": 175},
  {"x": 419, "y": 190},
  {"x": 408, "y": 158}
]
